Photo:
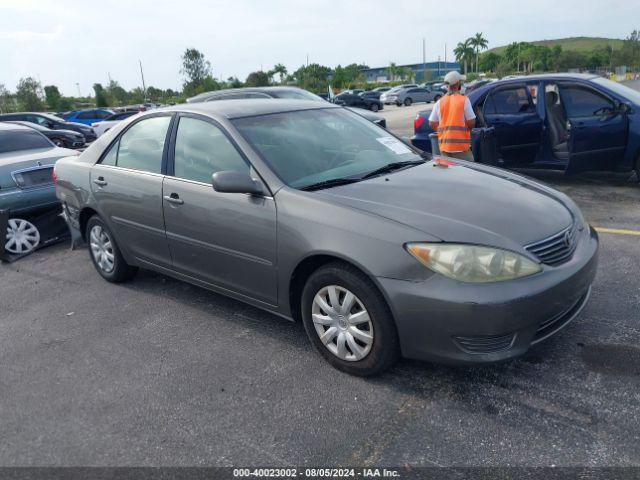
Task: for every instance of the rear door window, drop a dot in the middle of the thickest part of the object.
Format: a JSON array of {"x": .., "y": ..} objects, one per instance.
[
  {"x": 142, "y": 145},
  {"x": 508, "y": 101}
]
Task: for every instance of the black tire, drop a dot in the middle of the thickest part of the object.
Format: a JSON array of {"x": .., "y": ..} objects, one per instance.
[
  {"x": 407, "y": 102},
  {"x": 58, "y": 142},
  {"x": 637, "y": 168},
  {"x": 374, "y": 107},
  {"x": 385, "y": 348},
  {"x": 121, "y": 271},
  {"x": 398, "y": 104}
]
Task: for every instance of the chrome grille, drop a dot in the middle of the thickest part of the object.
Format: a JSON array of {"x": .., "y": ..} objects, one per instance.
[{"x": 556, "y": 249}]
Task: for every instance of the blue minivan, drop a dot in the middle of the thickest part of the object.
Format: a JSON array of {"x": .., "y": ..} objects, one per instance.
[
  {"x": 88, "y": 116},
  {"x": 570, "y": 122}
]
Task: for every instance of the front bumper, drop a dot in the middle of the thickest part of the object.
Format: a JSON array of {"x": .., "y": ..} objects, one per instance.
[{"x": 462, "y": 323}]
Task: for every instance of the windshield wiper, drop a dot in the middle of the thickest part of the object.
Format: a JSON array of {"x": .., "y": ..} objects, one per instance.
[
  {"x": 334, "y": 182},
  {"x": 390, "y": 167}
]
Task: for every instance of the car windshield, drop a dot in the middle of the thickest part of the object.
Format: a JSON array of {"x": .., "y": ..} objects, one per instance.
[
  {"x": 298, "y": 95},
  {"x": 16, "y": 140},
  {"x": 620, "y": 89},
  {"x": 311, "y": 146}
]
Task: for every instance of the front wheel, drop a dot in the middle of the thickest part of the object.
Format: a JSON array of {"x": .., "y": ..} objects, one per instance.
[
  {"x": 105, "y": 254},
  {"x": 348, "y": 321},
  {"x": 58, "y": 142},
  {"x": 374, "y": 107}
]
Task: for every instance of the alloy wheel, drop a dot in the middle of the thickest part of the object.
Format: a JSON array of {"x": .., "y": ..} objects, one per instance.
[
  {"x": 102, "y": 248},
  {"x": 342, "y": 323},
  {"x": 22, "y": 236}
]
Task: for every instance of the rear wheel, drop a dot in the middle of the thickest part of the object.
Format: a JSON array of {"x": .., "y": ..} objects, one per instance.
[
  {"x": 348, "y": 321},
  {"x": 407, "y": 102},
  {"x": 637, "y": 168},
  {"x": 105, "y": 254},
  {"x": 58, "y": 142},
  {"x": 374, "y": 107}
]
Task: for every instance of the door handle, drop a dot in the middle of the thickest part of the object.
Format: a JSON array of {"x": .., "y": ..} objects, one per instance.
[
  {"x": 174, "y": 198},
  {"x": 100, "y": 181}
]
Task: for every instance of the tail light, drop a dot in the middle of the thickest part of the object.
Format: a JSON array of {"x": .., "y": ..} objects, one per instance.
[
  {"x": 417, "y": 122},
  {"x": 54, "y": 175},
  {"x": 94, "y": 125}
]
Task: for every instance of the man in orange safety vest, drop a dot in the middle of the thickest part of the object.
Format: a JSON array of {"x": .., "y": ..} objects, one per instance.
[{"x": 453, "y": 118}]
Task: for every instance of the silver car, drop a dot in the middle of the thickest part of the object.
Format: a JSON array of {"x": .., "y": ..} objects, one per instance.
[
  {"x": 313, "y": 213},
  {"x": 408, "y": 96}
]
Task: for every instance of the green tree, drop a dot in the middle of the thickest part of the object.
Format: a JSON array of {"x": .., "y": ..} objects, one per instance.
[
  {"x": 195, "y": 68},
  {"x": 52, "y": 96},
  {"x": 489, "y": 61},
  {"x": 478, "y": 42},
  {"x": 464, "y": 53},
  {"x": 118, "y": 96},
  {"x": 28, "y": 95},
  {"x": 7, "y": 100},
  {"x": 101, "y": 95},
  {"x": 314, "y": 77},
  {"x": 233, "y": 82},
  {"x": 392, "y": 71},
  {"x": 280, "y": 70},
  {"x": 257, "y": 79}
]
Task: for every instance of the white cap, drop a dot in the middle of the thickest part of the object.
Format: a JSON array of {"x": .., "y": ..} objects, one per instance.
[{"x": 454, "y": 77}]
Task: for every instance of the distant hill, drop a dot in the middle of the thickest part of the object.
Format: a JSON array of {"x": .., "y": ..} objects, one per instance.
[{"x": 578, "y": 44}]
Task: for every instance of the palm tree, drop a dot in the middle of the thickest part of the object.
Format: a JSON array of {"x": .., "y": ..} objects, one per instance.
[
  {"x": 478, "y": 42},
  {"x": 463, "y": 53},
  {"x": 281, "y": 70},
  {"x": 392, "y": 71}
]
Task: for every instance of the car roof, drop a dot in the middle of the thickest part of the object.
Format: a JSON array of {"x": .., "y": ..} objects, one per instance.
[
  {"x": 528, "y": 78},
  {"x": 247, "y": 107},
  {"x": 225, "y": 91},
  {"x": 9, "y": 126}
]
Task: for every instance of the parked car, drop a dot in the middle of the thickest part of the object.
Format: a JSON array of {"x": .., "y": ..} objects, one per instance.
[
  {"x": 89, "y": 116},
  {"x": 389, "y": 97},
  {"x": 293, "y": 93},
  {"x": 408, "y": 96},
  {"x": 381, "y": 89},
  {"x": 570, "y": 122},
  {"x": 51, "y": 121},
  {"x": 111, "y": 120},
  {"x": 358, "y": 101},
  {"x": 309, "y": 211},
  {"x": 60, "y": 138},
  {"x": 26, "y": 183}
]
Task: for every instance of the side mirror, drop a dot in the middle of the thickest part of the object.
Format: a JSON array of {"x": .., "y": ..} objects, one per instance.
[
  {"x": 623, "y": 107},
  {"x": 230, "y": 181}
]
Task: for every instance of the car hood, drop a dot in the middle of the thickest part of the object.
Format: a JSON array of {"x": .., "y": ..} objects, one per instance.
[
  {"x": 461, "y": 204},
  {"x": 76, "y": 125}
]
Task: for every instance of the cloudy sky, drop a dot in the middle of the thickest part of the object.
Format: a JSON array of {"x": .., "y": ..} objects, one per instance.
[{"x": 64, "y": 42}]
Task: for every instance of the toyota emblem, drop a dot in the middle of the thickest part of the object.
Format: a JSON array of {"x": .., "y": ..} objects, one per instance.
[{"x": 567, "y": 239}]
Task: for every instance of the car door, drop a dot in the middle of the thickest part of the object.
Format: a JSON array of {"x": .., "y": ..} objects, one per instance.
[
  {"x": 598, "y": 128},
  {"x": 510, "y": 109},
  {"x": 224, "y": 239},
  {"x": 127, "y": 186}
]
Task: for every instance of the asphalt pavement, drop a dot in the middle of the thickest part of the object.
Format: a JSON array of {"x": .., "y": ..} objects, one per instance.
[{"x": 159, "y": 372}]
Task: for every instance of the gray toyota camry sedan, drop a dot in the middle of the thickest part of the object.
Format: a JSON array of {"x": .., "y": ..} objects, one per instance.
[{"x": 315, "y": 214}]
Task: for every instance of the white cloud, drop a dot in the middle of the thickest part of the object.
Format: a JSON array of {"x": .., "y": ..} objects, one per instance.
[{"x": 29, "y": 36}]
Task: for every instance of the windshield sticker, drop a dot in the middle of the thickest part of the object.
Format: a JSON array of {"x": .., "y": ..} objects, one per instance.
[{"x": 394, "y": 145}]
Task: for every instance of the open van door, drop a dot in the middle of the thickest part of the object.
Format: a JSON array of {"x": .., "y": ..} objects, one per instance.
[{"x": 598, "y": 128}]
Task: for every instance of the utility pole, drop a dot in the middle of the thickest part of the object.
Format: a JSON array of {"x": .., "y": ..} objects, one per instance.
[
  {"x": 307, "y": 59},
  {"x": 424, "y": 60},
  {"x": 78, "y": 87},
  {"x": 144, "y": 87},
  {"x": 445, "y": 55}
]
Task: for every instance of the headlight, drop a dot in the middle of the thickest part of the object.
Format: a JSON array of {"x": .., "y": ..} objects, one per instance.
[{"x": 471, "y": 263}]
